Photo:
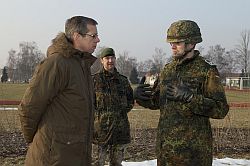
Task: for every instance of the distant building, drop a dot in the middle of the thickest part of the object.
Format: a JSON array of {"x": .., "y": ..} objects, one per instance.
[{"x": 238, "y": 81}]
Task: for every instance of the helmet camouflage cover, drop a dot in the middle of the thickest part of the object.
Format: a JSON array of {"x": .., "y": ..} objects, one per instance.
[{"x": 184, "y": 31}]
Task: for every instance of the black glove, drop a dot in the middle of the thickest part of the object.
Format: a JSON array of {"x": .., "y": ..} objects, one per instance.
[
  {"x": 208, "y": 104},
  {"x": 143, "y": 91},
  {"x": 179, "y": 93}
]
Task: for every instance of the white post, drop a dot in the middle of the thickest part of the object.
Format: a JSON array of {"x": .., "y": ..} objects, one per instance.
[
  {"x": 229, "y": 83},
  {"x": 241, "y": 83}
]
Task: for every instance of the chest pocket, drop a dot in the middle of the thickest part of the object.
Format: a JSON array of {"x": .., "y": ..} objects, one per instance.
[
  {"x": 118, "y": 94},
  {"x": 121, "y": 92},
  {"x": 196, "y": 84},
  {"x": 110, "y": 96}
]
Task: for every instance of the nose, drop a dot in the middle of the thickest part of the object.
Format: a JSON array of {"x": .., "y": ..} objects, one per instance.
[
  {"x": 173, "y": 45},
  {"x": 109, "y": 59},
  {"x": 97, "y": 39}
]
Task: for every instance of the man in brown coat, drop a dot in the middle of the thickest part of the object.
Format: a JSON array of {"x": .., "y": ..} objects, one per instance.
[{"x": 56, "y": 111}]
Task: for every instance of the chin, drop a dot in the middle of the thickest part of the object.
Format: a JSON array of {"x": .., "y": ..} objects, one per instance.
[
  {"x": 177, "y": 56},
  {"x": 91, "y": 51}
]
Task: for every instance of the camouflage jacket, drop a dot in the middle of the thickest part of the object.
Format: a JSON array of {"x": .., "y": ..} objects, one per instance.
[
  {"x": 113, "y": 100},
  {"x": 184, "y": 130}
]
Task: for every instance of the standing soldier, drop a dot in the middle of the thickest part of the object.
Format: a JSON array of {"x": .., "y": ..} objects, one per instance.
[
  {"x": 188, "y": 93},
  {"x": 113, "y": 100}
]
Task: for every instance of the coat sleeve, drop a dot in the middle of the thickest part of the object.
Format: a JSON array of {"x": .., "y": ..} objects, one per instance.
[
  {"x": 212, "y": 102},
  {"x": 42, "y": 89},
  {"x": 130, "y": 97}
]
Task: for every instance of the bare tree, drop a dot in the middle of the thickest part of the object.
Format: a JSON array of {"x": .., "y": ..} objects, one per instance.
[
  {"x": 159, "y": 59},
  {"x": 24, "y": 62},
  {"x": 217, "y": 55},
  {"x": 125, "y": 64},
  {"x": 233, "y": 63},
  {"x": 144, "y": 66},
  {"x": 243, "y": 52},
  {"x": 12, "y": 63}
]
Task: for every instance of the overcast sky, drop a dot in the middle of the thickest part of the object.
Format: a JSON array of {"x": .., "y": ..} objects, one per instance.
[{"x": 136, "y": 26}]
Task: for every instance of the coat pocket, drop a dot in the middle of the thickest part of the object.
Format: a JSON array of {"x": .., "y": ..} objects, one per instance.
[
  {"x": 68, "y": 148},
  {"x": 103, "y": 129}
]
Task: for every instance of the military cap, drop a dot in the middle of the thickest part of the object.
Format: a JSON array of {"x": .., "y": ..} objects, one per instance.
[{"x": 107, "y": 52}]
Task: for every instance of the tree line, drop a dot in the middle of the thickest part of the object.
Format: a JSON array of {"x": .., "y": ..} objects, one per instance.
[{"x": 21, "y": 64}]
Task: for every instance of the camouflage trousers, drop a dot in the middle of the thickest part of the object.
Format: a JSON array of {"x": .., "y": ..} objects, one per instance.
[{"x": 116, "y": 154}]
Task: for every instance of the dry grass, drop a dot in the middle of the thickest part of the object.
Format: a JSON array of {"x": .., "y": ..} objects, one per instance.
[
  {"x": 10, "y": 91},
  {"x": 145, "y": 118},
  {"x": 236, "y": 118},
  {"x": 233, "y": 131},
  {"x": 238, "y": 96},
  {"x": 9, "y": 121},
  {"x": 12, "y": 161}
]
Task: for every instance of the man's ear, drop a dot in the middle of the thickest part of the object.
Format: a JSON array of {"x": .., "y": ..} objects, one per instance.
[
  {"x": 76, "y": 36},
  {"x": 193, "y": 45},
  {"x": 190, "y": 45}
]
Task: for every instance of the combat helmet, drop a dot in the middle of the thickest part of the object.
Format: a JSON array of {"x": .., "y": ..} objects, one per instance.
[{"x": 184, "y": 31}]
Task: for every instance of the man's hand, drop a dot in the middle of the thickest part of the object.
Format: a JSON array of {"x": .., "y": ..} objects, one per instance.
[
  {"x": 143, "y": 92},
  {"x": 179, "y": 93}
]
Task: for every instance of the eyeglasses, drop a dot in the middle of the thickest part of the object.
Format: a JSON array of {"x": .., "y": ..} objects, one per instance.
[{"x": 94, "y": 36}]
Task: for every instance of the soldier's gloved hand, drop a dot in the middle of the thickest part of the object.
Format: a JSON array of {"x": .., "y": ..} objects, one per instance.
[
  {"x": 208, "y": 104},
  {"x": 143, "y": 92},
  {"x": 179, "y": 93}
]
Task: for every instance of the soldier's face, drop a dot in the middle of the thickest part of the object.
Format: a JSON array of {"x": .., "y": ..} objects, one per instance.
[
  {"x": 108, "y": 63},
  {"x": 178, "y": 49}
]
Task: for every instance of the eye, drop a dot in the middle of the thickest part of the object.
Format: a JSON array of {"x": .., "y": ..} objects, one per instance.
[{"x": 92, "y": 35}]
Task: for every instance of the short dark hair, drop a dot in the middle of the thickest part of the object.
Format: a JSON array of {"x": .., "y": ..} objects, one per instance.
[{"x": 78, "y": 24}]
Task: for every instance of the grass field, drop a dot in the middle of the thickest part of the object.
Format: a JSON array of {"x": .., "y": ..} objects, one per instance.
[
  {"x": 238, "y": 96},
  {"x": 144, "y": 118},
  {"x": 231, "y": 134},
  {"x": 15, "y": 92},
  {"x": 12, "y": 91}
]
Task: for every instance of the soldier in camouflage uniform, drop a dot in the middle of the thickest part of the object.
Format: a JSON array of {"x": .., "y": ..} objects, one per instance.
[
  {"x": 113, "y": 100},
  {"x": 188, "y": 93}
]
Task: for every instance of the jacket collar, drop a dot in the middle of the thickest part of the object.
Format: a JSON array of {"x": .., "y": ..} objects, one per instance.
[{"x": 109, "y": 74}]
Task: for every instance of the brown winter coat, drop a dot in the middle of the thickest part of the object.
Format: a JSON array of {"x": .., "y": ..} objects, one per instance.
[{"x": 56, "y": 112}]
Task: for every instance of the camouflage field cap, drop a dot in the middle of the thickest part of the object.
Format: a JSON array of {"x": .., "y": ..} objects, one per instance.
[
  {"x": 107, "y": 52},
  {"x": 184, "y": 31}
]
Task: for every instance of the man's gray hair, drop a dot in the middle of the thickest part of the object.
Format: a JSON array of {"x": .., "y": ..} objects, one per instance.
[{"x": 77, "y": 24}]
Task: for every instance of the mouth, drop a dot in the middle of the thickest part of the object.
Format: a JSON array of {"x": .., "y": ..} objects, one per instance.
[{"x": 174, "y": 51}]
